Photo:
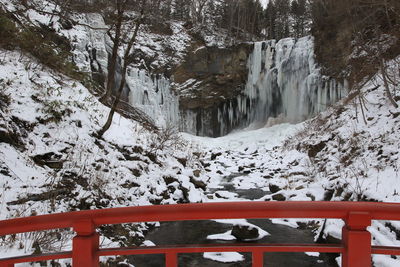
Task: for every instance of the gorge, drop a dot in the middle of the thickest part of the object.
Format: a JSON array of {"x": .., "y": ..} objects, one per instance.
[{"x": 240, "y": 116}]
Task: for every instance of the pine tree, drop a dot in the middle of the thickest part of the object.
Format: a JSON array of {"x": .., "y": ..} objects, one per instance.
[
  {"x": 299, "y": 13},
  {"x": 270, "y": 18},
  {"x": 282, "y": 18}
]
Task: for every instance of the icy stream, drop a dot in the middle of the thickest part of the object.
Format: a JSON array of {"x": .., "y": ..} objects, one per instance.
[
  {"x": 198, "y": 232},
  {"x": 193, "y": 232},
  {"x": 227, "y": 188}
]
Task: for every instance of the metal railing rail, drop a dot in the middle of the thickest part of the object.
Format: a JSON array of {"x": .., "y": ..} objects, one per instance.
[{"x": 355, "y": 248}]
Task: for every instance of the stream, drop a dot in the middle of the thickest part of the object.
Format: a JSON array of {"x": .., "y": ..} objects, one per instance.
[{"x": 196, "y": 232}]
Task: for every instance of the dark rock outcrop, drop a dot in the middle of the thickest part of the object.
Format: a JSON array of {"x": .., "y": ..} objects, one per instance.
[
  {"x": 279, "y": 197},
  {"x": 211, "y": 75},
  {"x": 274, "y": 188},
  {"x": 50, "y": 159}
]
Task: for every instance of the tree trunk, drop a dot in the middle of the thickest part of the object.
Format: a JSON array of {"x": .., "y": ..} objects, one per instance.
[
  {"x": 386, "y": 83},
  {"x": 108, "y": 123},
  {"x": 114, "y": 56}
]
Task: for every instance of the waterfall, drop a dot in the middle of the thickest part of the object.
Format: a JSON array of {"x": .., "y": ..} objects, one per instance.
[
  {"x": 284, "y": 85},
  {"x": 149, "y": 93},
  {"x": 295, "y": 79},
  {"x": 284, "y": 81}
]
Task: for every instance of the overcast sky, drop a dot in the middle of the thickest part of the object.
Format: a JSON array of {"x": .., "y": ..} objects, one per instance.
[{"x": 264, "y": 2}]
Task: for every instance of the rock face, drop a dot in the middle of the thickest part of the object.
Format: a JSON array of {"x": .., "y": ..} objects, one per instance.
[
  {"x": 209, "y": 78},
  {"x": 211, "y": 75}
]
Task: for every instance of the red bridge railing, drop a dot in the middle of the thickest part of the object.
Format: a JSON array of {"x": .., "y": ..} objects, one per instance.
[{"x": 355, "y": 248}]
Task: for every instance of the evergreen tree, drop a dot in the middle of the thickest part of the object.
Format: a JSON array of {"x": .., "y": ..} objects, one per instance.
[
  {"x": 299, "y": 13},
  {"x": 270, "y": 20},
  {"x": 282, "y": 18}
]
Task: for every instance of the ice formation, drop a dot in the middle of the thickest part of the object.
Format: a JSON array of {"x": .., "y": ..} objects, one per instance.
[
  {"x": 153, "y": 96},
  {"x": 149, "y": 93}
]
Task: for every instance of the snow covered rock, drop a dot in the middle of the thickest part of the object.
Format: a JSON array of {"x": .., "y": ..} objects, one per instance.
[{"x": 244, "y": 232}]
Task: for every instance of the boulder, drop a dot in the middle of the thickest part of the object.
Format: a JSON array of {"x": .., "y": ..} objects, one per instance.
[
  {"x": 52, "y": 160},
  {"x": 197, "y": 173},
  {"x": 215, "y": 155},
  {"x": 198, "y": 184},
  {"x": 279, "y": 197},
  {"x": 274, "y": 188},
  {"x": 245, "y": 232}
]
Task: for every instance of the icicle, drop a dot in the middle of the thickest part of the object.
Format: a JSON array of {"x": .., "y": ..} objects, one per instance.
[{"x": 154, "y": 97}]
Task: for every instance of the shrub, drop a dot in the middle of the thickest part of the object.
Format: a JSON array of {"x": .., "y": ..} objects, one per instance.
[
  {"x": 8, "y": 32},
  {"x": 5, "y": 98}
]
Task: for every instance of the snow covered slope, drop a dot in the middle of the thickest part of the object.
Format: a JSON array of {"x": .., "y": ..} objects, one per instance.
[{"x": 50, "y": 160}]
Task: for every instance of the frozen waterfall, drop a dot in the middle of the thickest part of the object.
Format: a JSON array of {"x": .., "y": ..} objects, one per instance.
[
  {"x": 153, "y": 96},
  {"x": 284, "y": 85},
  {"x": 284, "y": 82},
  {"x": 147, "y": 92}
]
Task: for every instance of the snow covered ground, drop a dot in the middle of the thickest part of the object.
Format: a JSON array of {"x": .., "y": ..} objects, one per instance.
[
  {"x": 344, "y": 154},
  {"x": 240, "y": 140}
]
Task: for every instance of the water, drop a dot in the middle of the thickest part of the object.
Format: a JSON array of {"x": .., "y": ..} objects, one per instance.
[{"x": 196, "y": 232}]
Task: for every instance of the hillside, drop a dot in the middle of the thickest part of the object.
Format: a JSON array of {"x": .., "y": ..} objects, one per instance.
[{"x": 51, "y": 162}]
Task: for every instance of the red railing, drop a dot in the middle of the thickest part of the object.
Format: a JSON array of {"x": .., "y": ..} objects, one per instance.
[{"x": 355, "y": 248}]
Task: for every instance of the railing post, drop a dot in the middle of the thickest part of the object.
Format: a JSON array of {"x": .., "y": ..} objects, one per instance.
[
  {"x": 171, "y": 259},
  {"x": 258, "y": 259},
  {"x": 85, "y": 245},
  {"x": 356, "y": 240}
]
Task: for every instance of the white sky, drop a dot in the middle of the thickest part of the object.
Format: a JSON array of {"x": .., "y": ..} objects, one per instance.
[{"x": 264, "y": 3}]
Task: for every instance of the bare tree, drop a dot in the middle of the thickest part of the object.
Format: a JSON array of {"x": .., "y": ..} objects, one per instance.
[
  {"x": 386, "y": 77},
  {"x": 197, "y": 9},
  {"x": 121, "y": 5},
  {"x": 116, "y": 39}
]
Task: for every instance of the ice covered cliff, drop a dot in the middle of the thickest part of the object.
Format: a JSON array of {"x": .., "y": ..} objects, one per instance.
[{"x": 284, "y": 83}]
